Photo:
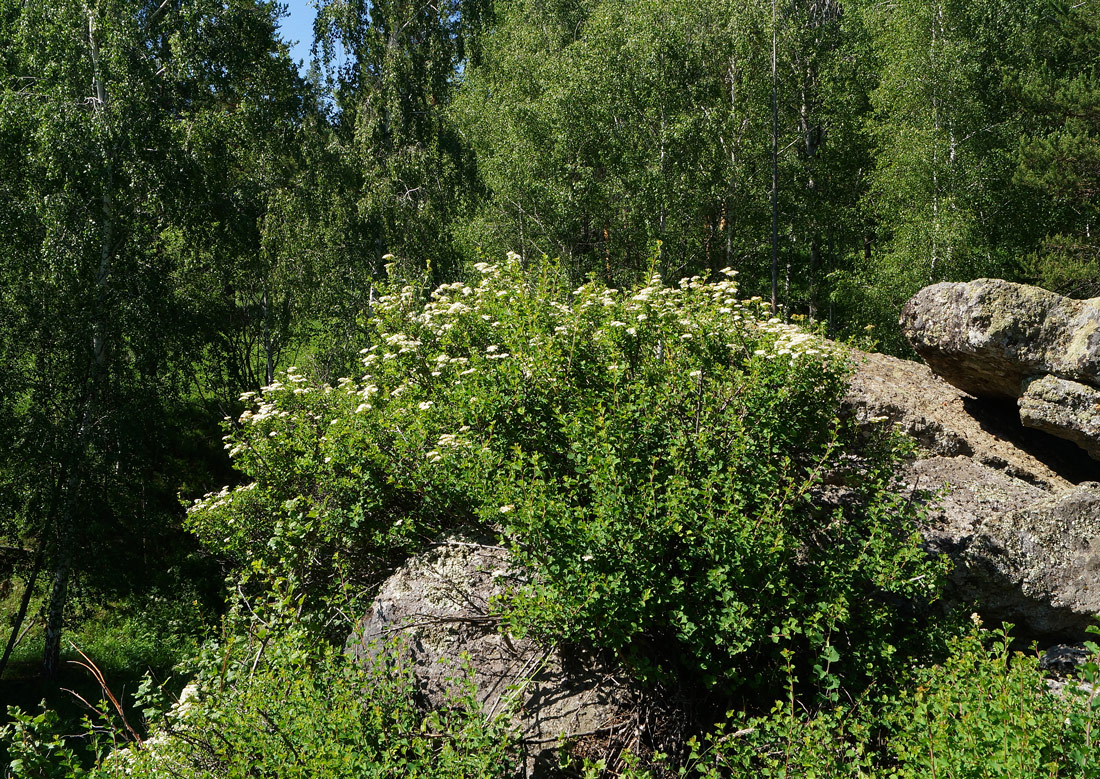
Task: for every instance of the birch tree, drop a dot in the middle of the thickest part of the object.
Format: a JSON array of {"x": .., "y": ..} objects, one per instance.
[
  {"x": 944, "y": 129},
  {"x": 94, "y": 99},
  {"x": 407, "y": 174}
]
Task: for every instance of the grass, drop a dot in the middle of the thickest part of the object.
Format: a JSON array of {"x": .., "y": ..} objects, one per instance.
[{"x": 125, "y": 641}]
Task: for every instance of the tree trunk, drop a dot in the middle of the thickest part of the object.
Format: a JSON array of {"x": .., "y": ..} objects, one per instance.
[
  {"x": 55, "y": 617},
  {"x": 269, "y": 359},
  {"x": 815, "y": 265},
  {"x": 775, "y": 170},
  {"x": 23, "y": 604},
  {"x": 86, "y": 410}
]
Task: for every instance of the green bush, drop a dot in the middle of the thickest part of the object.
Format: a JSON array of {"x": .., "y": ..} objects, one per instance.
[
  {"x": 282, "y": 705},
  {"x": 655, "y": 459},
  {"x": 983, "y": 712},
  {"x": 987, "y": 712}
]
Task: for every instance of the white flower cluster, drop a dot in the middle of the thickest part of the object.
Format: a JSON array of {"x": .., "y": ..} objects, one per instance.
[{"x": 457, "y": 333}]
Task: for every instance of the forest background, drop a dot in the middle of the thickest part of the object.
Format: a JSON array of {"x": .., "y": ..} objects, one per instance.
[{"x": 186, "y": 215}]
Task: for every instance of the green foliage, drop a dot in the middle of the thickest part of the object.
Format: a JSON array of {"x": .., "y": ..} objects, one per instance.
[
  {"x": 109, "y": 113},
  {"x": 987, "y": 712},
  {"x": 406, "y": 174},
  {"x": 941, "y": 203},
  {"x": 269, "y": 701},
  {"x": 655, "y": 458},
  {"x": 984, "y": 712},
  {"x": 1058, "y": 156},
  {"x": 276, "y": 704},
  {"x": 37, "y": 749},
  {"x": 183, "y": 213},
  {"x": 554, "y": 78}
]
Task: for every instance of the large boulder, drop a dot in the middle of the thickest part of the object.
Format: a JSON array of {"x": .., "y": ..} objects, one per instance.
[
  {"x": 945, "y": 421},
  {"x": 987, "y": 337},
  {"x": 960, "y": 493},
  {"x": 434, "y": 615}
]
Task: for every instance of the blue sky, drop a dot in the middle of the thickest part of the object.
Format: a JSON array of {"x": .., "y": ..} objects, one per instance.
[{"x": 298, "y": 26}]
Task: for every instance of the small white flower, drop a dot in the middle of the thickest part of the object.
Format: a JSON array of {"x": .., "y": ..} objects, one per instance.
[
  {"x": 425, "y": 405},
  {"x": 507, "y": 508}
]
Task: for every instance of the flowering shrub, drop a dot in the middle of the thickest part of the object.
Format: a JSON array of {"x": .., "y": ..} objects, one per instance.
[{"x": 655, "y": 458}]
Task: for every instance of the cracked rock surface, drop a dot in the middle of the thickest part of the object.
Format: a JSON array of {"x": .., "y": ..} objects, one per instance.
[
  {"x": 1016, "y": 510},
  {"x": 434, "y": 614}
]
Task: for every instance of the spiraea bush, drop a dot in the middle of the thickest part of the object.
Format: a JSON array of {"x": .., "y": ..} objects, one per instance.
[{"x": 655, "y": 458}]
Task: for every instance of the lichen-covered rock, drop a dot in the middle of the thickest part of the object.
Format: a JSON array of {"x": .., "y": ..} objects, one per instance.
[
  {"x": 987, "y": 337},
  {"x": 434, "y": 614},
  {"x": 1039, "y": 566},
  {"x": 961, "y": 493},
  {"x": 947, "y": 422},
  {"x": 1067, "y": 409},
  {"x": 981, "y": 474}
]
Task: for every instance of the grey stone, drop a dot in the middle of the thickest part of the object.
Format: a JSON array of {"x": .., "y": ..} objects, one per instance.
[
  {"x": 1063, "y": 408},
  {"x": 947, "y": 422},
  {"x": 960, "y": 493},
  {"x": 985, "y": 480},
  {"x": 434, "y": 615},
  {"x": 987, "y": 337},
  {"x": 1039, "y": 566}
]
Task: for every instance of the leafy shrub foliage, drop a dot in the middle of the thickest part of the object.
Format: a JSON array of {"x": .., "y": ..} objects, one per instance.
[
  {"x": 277, "y": 704},
  {"x": 984, "y": 712},
  {"x": 655, "y": 458},
  {"x": 283, "y": 705},
  {"x": 269, "y": 701}
]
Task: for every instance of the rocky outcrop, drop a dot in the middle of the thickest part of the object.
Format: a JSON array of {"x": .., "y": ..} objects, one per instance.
[
  {"x": 987, "y": 337},
  {"x": 1039, "y": 566},
  {"x": 995, "y": 339},
  {"x": 948, "y": 422},
  {"x": 1012, "y": 507},
  {"x": 960, "y": 493},
  {"x": 434, "y": 615}
]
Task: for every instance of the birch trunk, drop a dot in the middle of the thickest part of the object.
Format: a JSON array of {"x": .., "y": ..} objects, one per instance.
[{"x": 87, "y": 408}]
